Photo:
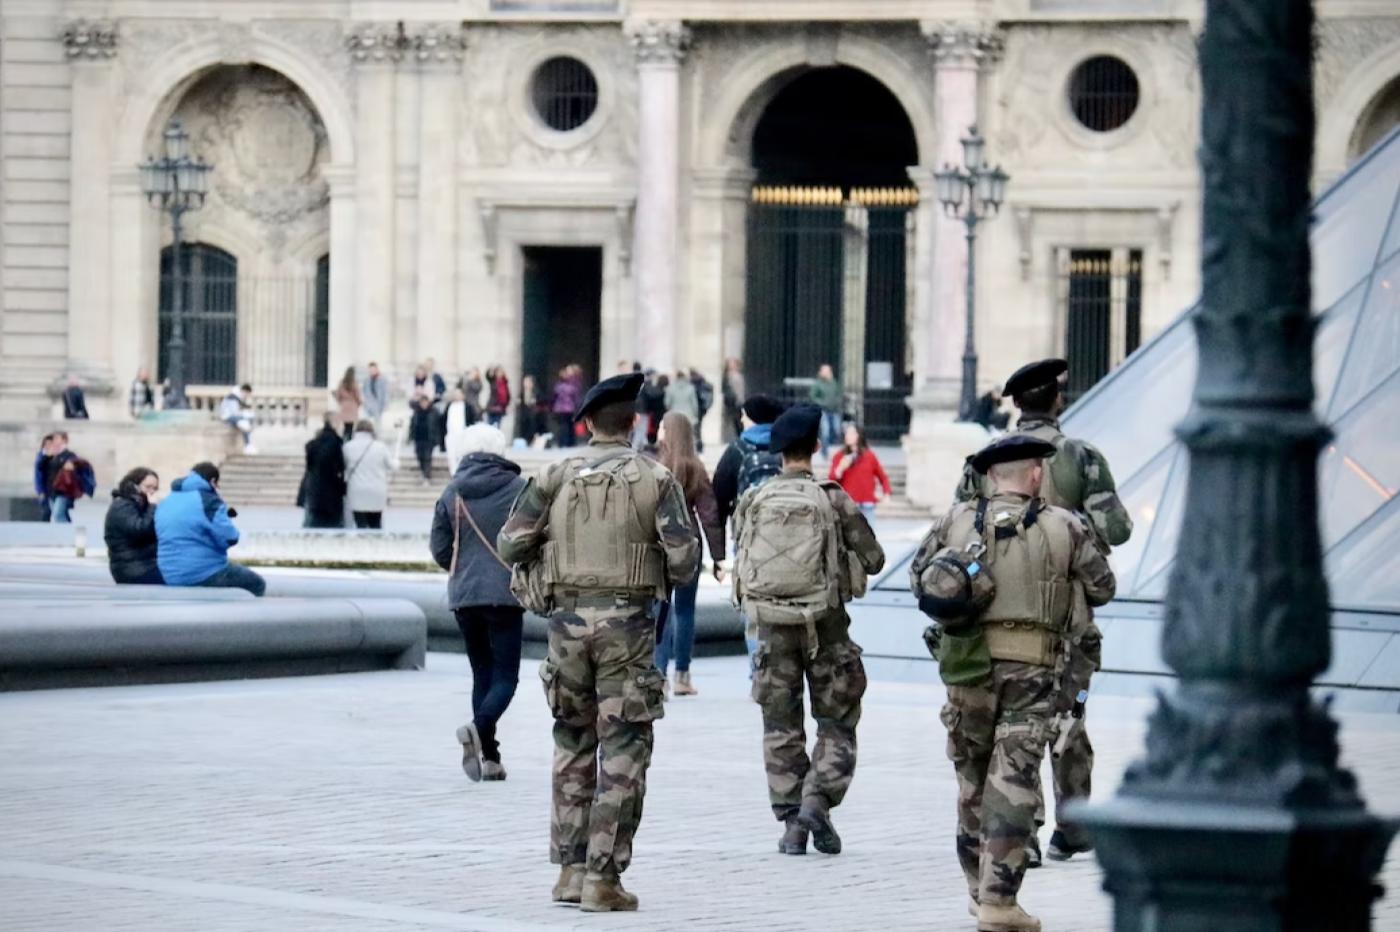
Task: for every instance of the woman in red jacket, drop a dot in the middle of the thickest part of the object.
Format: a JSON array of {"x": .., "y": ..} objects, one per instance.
[{"x": 858, "y": 470}]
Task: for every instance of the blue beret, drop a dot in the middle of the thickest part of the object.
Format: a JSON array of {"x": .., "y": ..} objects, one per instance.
[
  {"x": 1009, "y": 449},
  {"x": 1034, "y": 375},
  {"x": 796, "y": 429},
  {"x": 619, "y": 388}
]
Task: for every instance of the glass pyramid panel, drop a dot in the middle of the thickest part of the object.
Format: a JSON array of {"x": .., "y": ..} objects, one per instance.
[
  {"x": 1375, "y": 349},
  {"x": 1364, "y": 570}
]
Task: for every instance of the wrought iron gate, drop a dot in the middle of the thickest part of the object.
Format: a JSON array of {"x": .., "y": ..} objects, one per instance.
[{"x": 827, "y": 282}]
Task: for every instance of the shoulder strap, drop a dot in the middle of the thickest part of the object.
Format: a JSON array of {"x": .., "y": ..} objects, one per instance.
[
  {"x": 980, "y": 522},
  {"x": 461, "y": 510},
  {"x": 360, "y": 460}
]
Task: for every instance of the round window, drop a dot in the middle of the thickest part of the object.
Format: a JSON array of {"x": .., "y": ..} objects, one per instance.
[
  {"x": 565, "y": 93},
  {"x": 1103, "y": 93}
]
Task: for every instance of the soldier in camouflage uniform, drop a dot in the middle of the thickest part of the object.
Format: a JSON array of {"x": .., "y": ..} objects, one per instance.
[
  {"x": 803, "y": 549},
  {"x": 1077, "y": 478},
  {"x": 596, "y": 540},
  {"x": 1040, "y": 557}
]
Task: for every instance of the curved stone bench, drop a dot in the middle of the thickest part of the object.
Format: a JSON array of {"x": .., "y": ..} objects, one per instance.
[
  {"x": 68, "y": 591},
  {"x": 102, "y": 642}
]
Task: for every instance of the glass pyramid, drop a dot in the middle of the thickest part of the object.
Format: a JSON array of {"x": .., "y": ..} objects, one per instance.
[{"x": 1356, "y": 292}]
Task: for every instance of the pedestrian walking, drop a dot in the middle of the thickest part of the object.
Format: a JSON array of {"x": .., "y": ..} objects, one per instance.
[
  {"x": 1001, "y": 576},
  {"x": 826, "y": 394},
  {"x": 323, "y": 486},
  {"x": 678, "y": 455},
  {"x": 497, "y": 395},
  {"x": 130, "y": 529},
  {"x": 734, "y": 391},
  {"x": 423, "y": 428},
  {"x": 653, "y": 402},
  {"x": 567, "y": 393},
  {"x": 348, "y": 400},
  {"x": 858, "y": 470},
  {"x": 803, "y": 550},
  {"x": 376, "y": 396},
  {"x": 194, "y": 531},
  {"x": 67, "y": 477},
  {"x": 141, "y": 398},
  {"x": 529, "y": 421},
  {"x": 748, "y": 461},
  {"x": 74, "y": 402},
  {"x": 597, "y": 539},
  {"x": 368, "y": 466},
  {"x": 704, "y": 400},
  {"x": 1076, "y": 478},
  {"x": 681, "y": 397},
  {"x": 471, "y": 384},
  {"x": 466, "y": 521}
]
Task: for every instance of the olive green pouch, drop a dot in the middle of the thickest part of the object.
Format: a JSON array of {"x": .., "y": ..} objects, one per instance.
[{"x": 963, "y": 657}]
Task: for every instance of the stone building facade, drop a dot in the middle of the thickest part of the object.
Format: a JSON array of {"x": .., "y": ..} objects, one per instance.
[{"x": 405, "y": 179}]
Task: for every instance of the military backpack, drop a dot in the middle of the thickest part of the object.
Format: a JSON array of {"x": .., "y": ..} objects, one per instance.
[{"x": 792, "y": 566}]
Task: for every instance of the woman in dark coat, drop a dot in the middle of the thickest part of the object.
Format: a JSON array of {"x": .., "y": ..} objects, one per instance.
[
  {"x": 130, "y": 529},
  {"x": 325, "y": 477}
]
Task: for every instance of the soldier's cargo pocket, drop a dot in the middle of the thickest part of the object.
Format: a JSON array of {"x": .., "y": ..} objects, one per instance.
[
  {"x": 848, "y": 682},
  {"x": 951, "y": 717},
  {"x": 643, "y": 696},
  {"x": 549, "y": 679},
  {"x": 759, "y": 673},
  {"x": 564, "y": 703}
]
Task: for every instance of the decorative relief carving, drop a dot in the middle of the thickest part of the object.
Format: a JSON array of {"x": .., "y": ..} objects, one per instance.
[
  {"x": 384, "y": 43},
  {"x": 377, "y": 43},
  {"x": 659, "y": 43},
  {"x": 963, "y": 43},
  {"x": 439, "y": 44},
  {"x": 90, "y": 39}
]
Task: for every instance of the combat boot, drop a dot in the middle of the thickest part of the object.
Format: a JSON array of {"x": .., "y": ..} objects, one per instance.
[
  {"x": 815, "y": 818},
  {"x": 1033, "y": 859},
  {"x": 1062, "y": 849},
  {"x": 603, "y": 893},
  {"x": 974, "y": 907},
  {"x": 568, "y": 889},
  {"x": 1008, "y": 918},
  {"x": 471, "y": 751},
  {"x": 683, "y": 685},
  {"x": 794, "y": 840}
]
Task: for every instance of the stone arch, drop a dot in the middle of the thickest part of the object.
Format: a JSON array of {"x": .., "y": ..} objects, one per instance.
[
  {"x": 1343, "y": 116},
  {"x": 728, "y": 137}
]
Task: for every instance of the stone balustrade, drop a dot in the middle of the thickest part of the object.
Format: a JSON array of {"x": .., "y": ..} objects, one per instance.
[{"x": 297, "y": 407}]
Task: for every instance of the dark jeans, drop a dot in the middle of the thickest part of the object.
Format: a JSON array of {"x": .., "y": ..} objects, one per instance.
[
  {"x": 492, "y": 634},
  {"x": 678, "y": 638},
  {"x": 564, "y": 430},
  {"x": 234, "y": 576},
  {"x": 369, "y": 519},
  {"x": 425, "y": 459},
  {"x": 151, "y": 577}
]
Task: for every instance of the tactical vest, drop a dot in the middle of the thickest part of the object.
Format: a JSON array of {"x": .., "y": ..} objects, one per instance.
[
  {"x": 791, "y": 566},
  {"x": 602, "y": 527},
  {"x": 1029, "y": 552}
]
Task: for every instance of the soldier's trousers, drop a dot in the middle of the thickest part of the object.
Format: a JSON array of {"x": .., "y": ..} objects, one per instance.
[
  {"x": 604, "y": 692},
  {"x": 996, "y": 736},
  {"x": 1072, "y": 772},
  {"x": 836, "y": 678}
]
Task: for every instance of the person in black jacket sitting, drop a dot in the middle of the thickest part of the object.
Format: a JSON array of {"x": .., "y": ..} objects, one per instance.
[{"x": 130, "y": 529}]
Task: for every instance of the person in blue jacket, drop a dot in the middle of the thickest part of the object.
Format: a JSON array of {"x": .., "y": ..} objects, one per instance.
[{"x": 194, "y": 529}]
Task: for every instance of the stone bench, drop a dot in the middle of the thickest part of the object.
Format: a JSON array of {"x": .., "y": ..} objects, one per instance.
[
  {"x": 102, "y": 641},
  {"x": 90, "y": 591}
]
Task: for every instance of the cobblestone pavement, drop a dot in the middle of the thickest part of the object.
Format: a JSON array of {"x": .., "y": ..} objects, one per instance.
[{"x": 337, "y": 803}]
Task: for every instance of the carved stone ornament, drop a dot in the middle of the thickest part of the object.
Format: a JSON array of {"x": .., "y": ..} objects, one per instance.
[
  {"x": 90, "y": 39},
  {"x": 439, "y": 44},
  {"x": 961, "y": 43},
  {"x": 659, "y": 43},
  {"x": 377, "y": 42}
]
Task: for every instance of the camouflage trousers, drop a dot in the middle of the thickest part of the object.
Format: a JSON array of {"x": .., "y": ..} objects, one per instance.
[
  {"x": 836, "y": 678},
  {"x": 1072, "y": 771},
  {"x": 996, "y": 736},
  {"x": 604, "y": 692}
]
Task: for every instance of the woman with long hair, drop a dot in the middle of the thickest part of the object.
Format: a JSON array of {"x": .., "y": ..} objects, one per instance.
[
  {"x": 130, "y": 529},
  {"x": 858, "y": 470},
  {"x": 677, "y": 453},
  {"x": 348, "y": 400}
]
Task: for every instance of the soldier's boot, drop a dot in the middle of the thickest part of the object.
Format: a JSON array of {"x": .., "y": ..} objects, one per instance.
[
  {"x": 568, "y": 889},
  {"x": 1033, "y": 859},
  {"x": 815, "y": 818},
  {"x": 1062, "y": 848},
  {"x": 974, "y": 906},
  {"x": 1008, "y": 918},
  {"x": 683, "y": 685},
  {"x": 492, "y": 770},
  {"x": 794, "y": 840},
  {"x": 603, "y": 893},
  {"x": 471, "y": 751}
]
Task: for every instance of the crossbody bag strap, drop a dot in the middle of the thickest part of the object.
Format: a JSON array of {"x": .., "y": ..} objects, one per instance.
[
  {"x": 463, "y": 510},
  {"x": 358, "y": 462}
]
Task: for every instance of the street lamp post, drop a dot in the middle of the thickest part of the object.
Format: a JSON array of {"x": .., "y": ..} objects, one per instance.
[
  {"x": 972, "y": 193},
  {"x": 176, "y": 183}
]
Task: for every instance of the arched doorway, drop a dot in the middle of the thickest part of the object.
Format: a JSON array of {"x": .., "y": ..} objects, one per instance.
[
  {"x": 829, "y": 244},
  {"x": 1381, "y": 116}
]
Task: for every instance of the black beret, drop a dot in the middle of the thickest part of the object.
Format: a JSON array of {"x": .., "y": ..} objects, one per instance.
[
  {"x": 1009, "y": 449},
  {"x": 763, "y": 409},
  {"x": 1034, "y": 375},
  {"x": 796, "y": 429},
  {"x": 619, "y": 388}
]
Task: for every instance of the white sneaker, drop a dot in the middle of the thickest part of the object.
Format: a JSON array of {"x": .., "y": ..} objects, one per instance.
[{"x": 250, "y": 450}]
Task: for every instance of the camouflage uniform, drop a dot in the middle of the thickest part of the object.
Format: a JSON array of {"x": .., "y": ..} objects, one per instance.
[
  {"x": 835, "y": 676},
  {"x": 603, "y": 688},
  {"x": 997, "y": 732},
  {"x": 1090, "y": 491}
]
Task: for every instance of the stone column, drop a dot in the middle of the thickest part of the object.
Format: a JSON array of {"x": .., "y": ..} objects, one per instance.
[
  {"x": 936, "y": 444},
  {"x": 91, "y": 46},
  {"x": 660, "y": 48},
  {"x": 719, "y": 206},
  {"x": 438, "y": 52},
  {"x": 376, "y": 50},
  {"x": 344, "y": 237}
]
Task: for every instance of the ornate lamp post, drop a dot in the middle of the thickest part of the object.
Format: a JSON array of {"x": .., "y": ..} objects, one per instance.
[
  {"x": 176, "y": 184},
  {"x": 972, "y": 193},
  {"x": 1239, "y": 817}
]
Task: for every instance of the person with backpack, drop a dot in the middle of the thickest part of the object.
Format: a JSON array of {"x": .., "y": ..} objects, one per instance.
[
  {"x": 597, "y": 541},
  {"x": 466, "y": 520},
  {"x": 748, "y": 461},
  {"x": 67, "y": 478},
  {"x": 1008, "y": 580},
  {"x": 804, "y": 550}
]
